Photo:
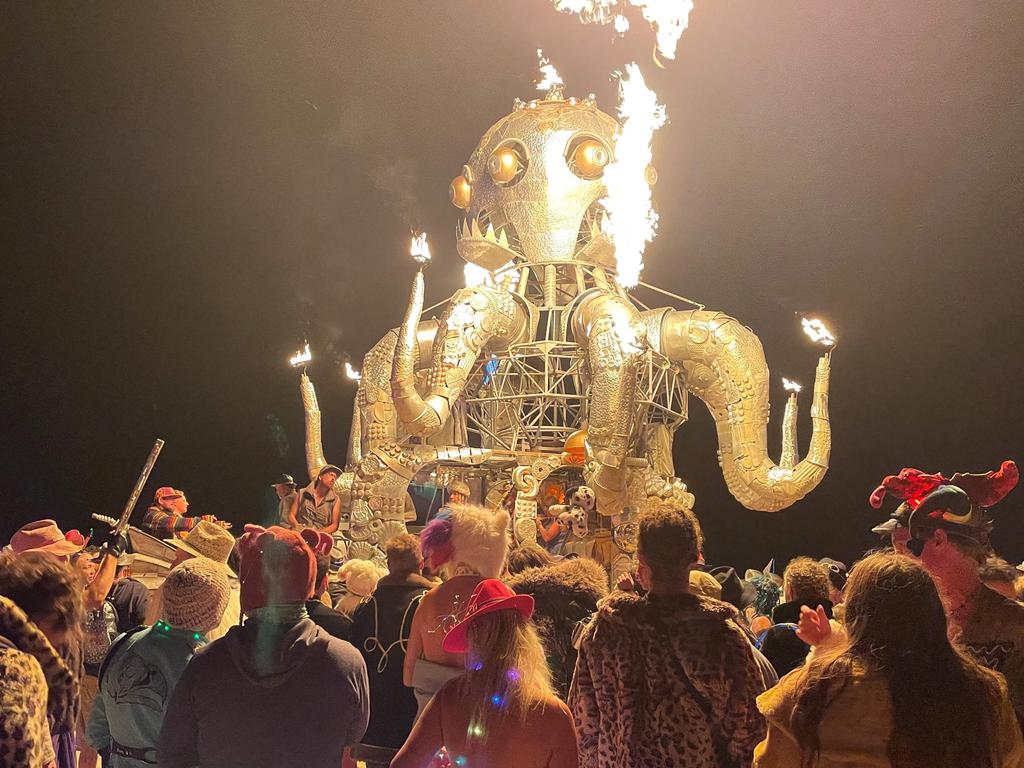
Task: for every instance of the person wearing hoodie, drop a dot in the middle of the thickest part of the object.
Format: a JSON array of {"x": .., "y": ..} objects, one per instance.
[
  {"x": 668, "y": 678},
  {"x": 564, "y": 594},
  {"x": 40, "y": 603},
  {"x": 276, "y": 691},
  {"x": 805, "y": 582},
  {"x": 468, "y": 544},
  {"x": 143, "y": 666}
]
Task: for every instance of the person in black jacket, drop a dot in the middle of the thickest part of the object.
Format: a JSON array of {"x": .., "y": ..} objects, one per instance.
[
  {"x": 380, "y": 629},
  {"x": 332, "y": 621},
  {"x": 805, "y": 582},
  {"x": 564, "y": 594}
]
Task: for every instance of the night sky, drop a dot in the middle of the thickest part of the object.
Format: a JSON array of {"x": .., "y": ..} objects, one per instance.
[{"x": 190, "y": 189}]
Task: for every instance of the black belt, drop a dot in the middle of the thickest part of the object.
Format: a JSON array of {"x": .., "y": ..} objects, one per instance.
[{"x": 135, "y": 753}]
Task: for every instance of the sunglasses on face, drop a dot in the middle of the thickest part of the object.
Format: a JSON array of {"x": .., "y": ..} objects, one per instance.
[{"x": 915, "y": 546}]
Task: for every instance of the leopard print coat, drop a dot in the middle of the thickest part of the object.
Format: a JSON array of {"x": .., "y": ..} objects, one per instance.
[
  {"x": 34, "y": 683},
  {"x": 666, "y": 681}
]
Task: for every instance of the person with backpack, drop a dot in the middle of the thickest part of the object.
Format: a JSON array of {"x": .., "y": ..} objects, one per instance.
[{"x": 143, "y": 666}]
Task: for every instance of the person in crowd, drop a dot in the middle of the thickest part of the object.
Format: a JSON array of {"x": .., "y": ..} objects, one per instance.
[
  {"x": 766, "y": 596},
  {"x": 40, "y": 604},
  {"x": 735, "y": 591},
  {"x": 327, "y": 618},
  {"x": 44, "y": 536},
  {"x": 98, "y": 630},
  {"x": 805, "y": 583},
  {"x": 999, "y": 576},
  {"x": 380, "y": 631},
  {"x": 317, "y": 506},
  {"x": 552, "y": 530},
  {"x": 892, "y": 692},
  {"x": 210, "y": 541},
  {"x": 704, "y": 584},
  {"x": 143, "y": 666},
  {"x": 502, "y": 711},
  {"x": 360, "y": 577},
  {"x": 166, "y": 516},
  {"x": 277, "y": 690},
  {"x": 668, "y": 678},
  {"x": 458, "y": 493},
  {"x": 894, "y": 531},
  {"x": 524, "y": 557},
  {"x": 129, "y": 597},
  {"x": 286, "y": 489},
  {"x": 837, "y": 575},
  {"x": 564, "y": 594},
  {"x": 468, "y": 545},
  {"x": 949, "y": 533}
]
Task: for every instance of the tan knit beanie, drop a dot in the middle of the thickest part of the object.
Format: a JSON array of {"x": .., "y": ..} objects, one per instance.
[{"x": 196, "y": 594}]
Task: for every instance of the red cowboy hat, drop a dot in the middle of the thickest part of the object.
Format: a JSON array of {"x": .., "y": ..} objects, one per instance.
[{"x": 489, "y": 596}]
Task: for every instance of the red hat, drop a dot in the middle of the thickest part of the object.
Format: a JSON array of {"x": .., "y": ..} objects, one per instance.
[
  {"x": 321, "y": 543},
  {"x": 275, "y": 566},
  {"x": 44, "y": 536},
  {"x": 166, "y": 493},
  {"x": 489, "y": 596}
]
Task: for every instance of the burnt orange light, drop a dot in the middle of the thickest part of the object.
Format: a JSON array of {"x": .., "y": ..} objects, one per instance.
[
  {"x": 590, "y": 158},
  {"x": 460, "y": 192},
  {"x": 503, "y": 165}
]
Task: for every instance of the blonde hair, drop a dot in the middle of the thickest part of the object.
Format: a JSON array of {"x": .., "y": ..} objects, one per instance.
[{"x": 507, "y": 671}]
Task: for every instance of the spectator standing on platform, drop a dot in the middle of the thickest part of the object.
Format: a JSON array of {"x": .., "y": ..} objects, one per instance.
[
  {"x": 317, "y": 506},
  {"x": 285, "y": 488},
  {"x": 166, "y": 516}
]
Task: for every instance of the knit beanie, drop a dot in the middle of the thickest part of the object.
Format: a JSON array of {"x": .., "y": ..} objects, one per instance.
[
  {"x": 275, "y": 566},
  {"x": 196, "y": 595}
]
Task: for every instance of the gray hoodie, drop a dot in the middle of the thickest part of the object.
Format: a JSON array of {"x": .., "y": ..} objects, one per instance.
[{"x": 267, "y": 695}]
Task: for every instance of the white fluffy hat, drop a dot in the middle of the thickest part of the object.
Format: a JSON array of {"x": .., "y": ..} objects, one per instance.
[{"x": 470, "y": 535}]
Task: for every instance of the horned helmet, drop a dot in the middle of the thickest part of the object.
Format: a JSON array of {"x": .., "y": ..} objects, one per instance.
[{"x": 531, "y": 190}]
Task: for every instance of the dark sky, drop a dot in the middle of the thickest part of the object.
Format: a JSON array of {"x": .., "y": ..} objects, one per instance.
[{"x": 192, "y": 188}]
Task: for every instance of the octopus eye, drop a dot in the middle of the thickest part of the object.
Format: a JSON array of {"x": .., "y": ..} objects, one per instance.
[
  {"x": 460, "y": 192},
  {"x": 587, "y": 157},
  {"x": 507, "y": 164}
]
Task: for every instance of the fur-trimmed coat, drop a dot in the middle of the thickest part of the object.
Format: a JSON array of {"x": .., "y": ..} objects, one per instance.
[
  {"x": 563, "y": 594},
  {"x": 666, "y": 681}
]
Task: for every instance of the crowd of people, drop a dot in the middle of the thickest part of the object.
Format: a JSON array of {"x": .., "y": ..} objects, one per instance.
[{"x": 468, "y": 651}]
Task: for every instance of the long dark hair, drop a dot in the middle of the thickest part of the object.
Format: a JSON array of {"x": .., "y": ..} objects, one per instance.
[{"x": 943, "y": 703}]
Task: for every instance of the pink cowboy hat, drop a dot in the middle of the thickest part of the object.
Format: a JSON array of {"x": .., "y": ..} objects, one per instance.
[
  {"x": 489, "y": 596},
  {"x": 44, "y": 536}
]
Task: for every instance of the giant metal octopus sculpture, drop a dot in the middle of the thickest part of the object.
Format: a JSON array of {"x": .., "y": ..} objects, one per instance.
[{"x": 552, "y": 351}]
